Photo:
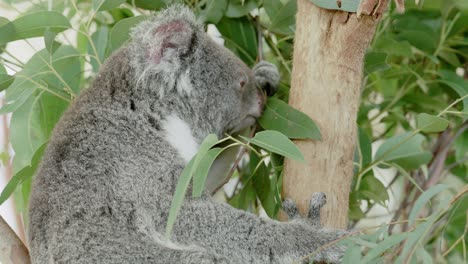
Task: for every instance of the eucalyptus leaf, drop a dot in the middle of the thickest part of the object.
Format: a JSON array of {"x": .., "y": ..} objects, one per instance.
[
  {"x": 276, "y": 142},
  {"x": 201, "y": 172},
  {"x": 383, "y": 246},
  {"x": 179, "y": 195},
  {"x": 101, "y": 5},
  {"x": 281, "y": 117},
  {"x": 419, "y": 39},
  {"x": 22, "y": 175},
  {"x": 404, "y": 150},
  {"x": 214, "y": 10},
  {"x": 120, "y": 32},
  {"x": 33, "y": 25},
  {"x": 371, "y": 188},
  {"x": 240, "y": 37},
  {"x": 429, "y": 123},
  {"x": 415, "y": 236},
  {"x": 365, "y": 147},
  {"x": 282, "y": 15},
  {"x": 262, "y": 185},
  {"x": 58, "y": 74},
  {"x": 457, "y": 84},
  {"x": 33, "y": 123},
  {"x": 149, "y": 4},
  {"x": 49, "y": 41},
  {"x": 424, "y": 199},
  {"x": 375, "y": 61},
  {"x": 239, "y": 8},
  {"x": 5, "y": 81},
  {"x": 391, "y": 46},
  {"x": 98, "y": 47}
]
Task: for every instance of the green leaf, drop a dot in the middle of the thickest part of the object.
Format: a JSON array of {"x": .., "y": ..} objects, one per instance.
[
  {"x": 22, "y": 175},
  {"x": 404, "y": 150},
  {"x": 365, "y": 147},
  {"x": 33, "y": 25},
  {"x": 346, "y": 5},
  {"x": 420, "y": 39},
  {"x": 202, "y": 170},
  {"x": 352, "y": 254},
  {"x": 457, "y": 84},
  {"x": 450, "y": 57},
  {"x": 375, "y": 61},
  {"x": 214, "y": 10},
  {"x": 240, "y": 37},
  {"x": 37, "y": 74},
  {"x": 101, "y": 5},
  {"x": 179, "y": 195},
  {"x": 371, "y": 188},
  {"x": 418, "y": 234},
  {"x": 120, "y": 32},
  {"x": 3, "y": 21},
  {"x": 282, "y": 15},
  {"x": 5, "y": 81},
  {"x": 281, "y": 117},
  {"x": 391, "y": 46},
  {"x": 424, "y": 199},
  {"x": 276, "y": 142},
  {"x": 33, "y": 123},
  {"x": 429, "y": 123},
  {"x": 99, "y": 38},
  {"x": 263, "y": 185},
  {"x": 239, "y": 8},
  {"x": 49, "y": 41},
  {"x": 461, "y": 147},
  {"x": 425, "y": 257},
  {"x": 383, "y": 246},
  {"x": 355, "y": 211},
  {"x": 149, "y": 4}
]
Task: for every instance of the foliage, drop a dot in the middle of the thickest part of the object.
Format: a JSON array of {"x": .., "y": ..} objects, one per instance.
[{"x": 412, "y": 118}]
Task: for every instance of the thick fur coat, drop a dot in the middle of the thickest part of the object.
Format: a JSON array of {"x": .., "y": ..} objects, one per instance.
[{"x": 105, "y": 185}]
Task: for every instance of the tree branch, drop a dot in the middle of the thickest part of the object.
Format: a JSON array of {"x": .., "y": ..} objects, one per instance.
[{"x": 12, "y": 250}]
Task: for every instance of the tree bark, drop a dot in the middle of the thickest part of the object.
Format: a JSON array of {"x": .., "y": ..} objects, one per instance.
[
  {"x": 12, "y": 250},
  {"x": 329, "y": 50}
]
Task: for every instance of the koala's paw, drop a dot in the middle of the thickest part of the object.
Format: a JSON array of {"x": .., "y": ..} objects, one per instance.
[
  {"x": 316, "y": 202},
  {"x": 266, "y": 77},
  {"x": 201, "y": 257}
]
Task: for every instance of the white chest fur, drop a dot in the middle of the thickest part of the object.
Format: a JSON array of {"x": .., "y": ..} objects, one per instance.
[{"x": 179, "y": 135}]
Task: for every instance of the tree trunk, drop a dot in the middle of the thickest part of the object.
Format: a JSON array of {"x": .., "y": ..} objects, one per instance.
[
  {"x": 329, "y": 49},
  {"x": 12, "y": 250}
]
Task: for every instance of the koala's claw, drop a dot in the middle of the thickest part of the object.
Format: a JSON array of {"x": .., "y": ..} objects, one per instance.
[
  {"x": 266, "y": 77},
  {"x": 289, "y": 207},
  {"x": 317, "y": 201}
]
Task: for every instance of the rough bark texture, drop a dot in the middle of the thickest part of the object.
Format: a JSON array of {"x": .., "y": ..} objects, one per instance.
[
  {"x": 12, "y": 250},
  {"x": 328, "y": 58}
]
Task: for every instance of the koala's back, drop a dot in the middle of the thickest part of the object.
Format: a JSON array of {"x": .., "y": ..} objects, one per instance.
[{"x": 94, "y": 180}]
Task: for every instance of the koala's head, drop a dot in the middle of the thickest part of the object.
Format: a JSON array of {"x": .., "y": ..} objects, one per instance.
[{"x": 175, "y": 58}]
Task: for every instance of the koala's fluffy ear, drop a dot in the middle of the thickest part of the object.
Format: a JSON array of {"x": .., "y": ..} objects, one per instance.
[
  {"x": 171, "y": 40},
  {"x": 159, "y": 46}
]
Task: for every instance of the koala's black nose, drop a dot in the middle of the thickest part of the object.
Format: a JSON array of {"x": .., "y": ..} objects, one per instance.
[{"x": 270, "y": 89}]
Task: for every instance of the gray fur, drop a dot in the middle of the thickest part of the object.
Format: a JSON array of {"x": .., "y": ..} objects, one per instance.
[{"x": 105, "y": 185}]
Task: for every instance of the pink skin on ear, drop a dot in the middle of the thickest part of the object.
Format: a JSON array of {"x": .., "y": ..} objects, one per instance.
[{"x": 164, "y": 32}]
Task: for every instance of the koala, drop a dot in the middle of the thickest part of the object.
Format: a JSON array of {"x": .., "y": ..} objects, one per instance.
[{"x": 104, "y": 187}]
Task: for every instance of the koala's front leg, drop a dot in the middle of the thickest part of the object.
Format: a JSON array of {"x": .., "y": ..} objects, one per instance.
[
  {"x": 266, "y": 77},
  {"x": 245, "y": 238},
  {"x": 331, "y": 254}
]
